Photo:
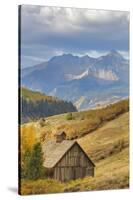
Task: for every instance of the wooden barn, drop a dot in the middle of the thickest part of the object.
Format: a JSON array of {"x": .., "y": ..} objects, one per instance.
[{"x": 66, "y": 160}]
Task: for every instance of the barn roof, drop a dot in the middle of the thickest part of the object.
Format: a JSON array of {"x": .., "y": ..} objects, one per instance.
[
  {"x": 54, "y": 151},
  {"x": 60, "y": 133}
]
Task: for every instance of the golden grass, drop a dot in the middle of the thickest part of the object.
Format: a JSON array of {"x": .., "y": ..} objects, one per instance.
[
  {"x": 107, "y": 139},
  {"x": 82, "y": 123},
  {"x": 40, "y": 186},
  {"x": 108, "y": 148},
  {"x": 110, "y": 173},
  {"x": 110, "y": 156}
]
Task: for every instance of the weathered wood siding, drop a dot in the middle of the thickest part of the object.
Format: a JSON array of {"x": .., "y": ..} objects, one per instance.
[{"x": 73, "y": 165}]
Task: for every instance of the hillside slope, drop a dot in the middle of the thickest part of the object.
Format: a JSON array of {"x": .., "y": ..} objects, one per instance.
[
  {"x": 108, "y": 148},
  {"x": 82, "y": 123},
  {"x": 108, "y": 139},
  {"x": 35, "y": 105}
]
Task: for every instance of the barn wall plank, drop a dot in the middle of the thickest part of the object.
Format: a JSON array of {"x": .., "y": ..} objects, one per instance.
[{"x": 74, "y": 164}]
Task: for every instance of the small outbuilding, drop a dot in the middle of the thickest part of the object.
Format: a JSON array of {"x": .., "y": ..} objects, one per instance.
[{"x": 66, "y": 160}]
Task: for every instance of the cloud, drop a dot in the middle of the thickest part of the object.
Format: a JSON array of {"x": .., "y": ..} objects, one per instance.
[
  {"x": 55, "y": 30},
  {"x": 35, "y": 53},
  {"x": 125, "y": 54},
  {"x": 27, "y": 61}
]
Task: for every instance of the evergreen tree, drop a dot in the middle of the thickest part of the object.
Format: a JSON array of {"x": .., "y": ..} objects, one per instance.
[
  {"x": 43, "y": 108},
  {"x": 34, "y": 164},
  {"x": 24, "y": 163}
]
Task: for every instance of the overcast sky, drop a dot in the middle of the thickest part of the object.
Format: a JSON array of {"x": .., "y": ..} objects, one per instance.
[{"x": 50, "y": 31}]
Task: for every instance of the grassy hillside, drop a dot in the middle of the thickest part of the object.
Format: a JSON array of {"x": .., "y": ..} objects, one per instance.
[
  {"x": 35, "y": 105},
  {"x": 82, "y": 123},
  {"x": 35, "y": 95},
  {"x": 107, "y": 140},
  {"x": 107, "y": 146}
]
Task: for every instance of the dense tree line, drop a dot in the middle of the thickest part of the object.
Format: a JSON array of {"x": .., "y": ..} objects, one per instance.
[{"x": 32, "y": 110}]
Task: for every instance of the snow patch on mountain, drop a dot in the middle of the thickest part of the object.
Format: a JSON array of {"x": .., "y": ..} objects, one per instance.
[
  {"x": 102, "y": 74},
  {"x": 70, "y": 77},
  {"x": 106, "y": 75}
]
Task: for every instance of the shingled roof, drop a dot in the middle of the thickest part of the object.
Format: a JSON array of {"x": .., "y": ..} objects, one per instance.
[{"x": 54, "y": 151}]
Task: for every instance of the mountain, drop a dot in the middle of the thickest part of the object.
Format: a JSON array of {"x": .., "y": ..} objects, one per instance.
[
  {"x": 70, "y": 77},
  {"x": 35, "y": 105},
  {"x": 26, "y": 71}
]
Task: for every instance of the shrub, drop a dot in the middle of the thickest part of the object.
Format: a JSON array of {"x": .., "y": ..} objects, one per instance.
[
  {"x": 42, "y": 122},
  {"x": 69, "y": 116}
]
